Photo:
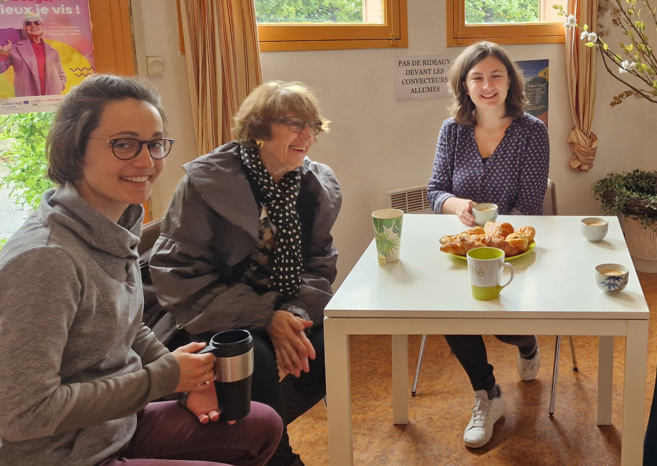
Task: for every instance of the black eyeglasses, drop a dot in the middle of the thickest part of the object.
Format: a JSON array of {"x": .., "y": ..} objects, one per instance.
[
  {"x": 128, "y": 148},
  {"x": 30, "y": 23},
  {"x": 296, "y": 125}
]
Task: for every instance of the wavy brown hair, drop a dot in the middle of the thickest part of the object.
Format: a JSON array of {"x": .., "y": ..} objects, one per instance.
[
  {"x": 462, "y": 108},
  {"x": 270, "y": 102}
]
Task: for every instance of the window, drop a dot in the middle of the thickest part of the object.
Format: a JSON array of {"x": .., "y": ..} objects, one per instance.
[
  {"x": 523, "y": 22},
  {"x": 331, "y": 24}
]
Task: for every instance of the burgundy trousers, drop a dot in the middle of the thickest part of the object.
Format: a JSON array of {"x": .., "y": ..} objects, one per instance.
[{"x": 170, "y": 435}]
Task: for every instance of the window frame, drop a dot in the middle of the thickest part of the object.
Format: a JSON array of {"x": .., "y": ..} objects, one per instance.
[
  {"x": 460, "y": 34},
  {"x": 393, "y": 33}
]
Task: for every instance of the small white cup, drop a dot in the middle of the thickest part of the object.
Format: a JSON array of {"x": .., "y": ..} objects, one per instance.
[
  {"x": 611, "y": 278},
  {"x": 484, "y": 212},
  {"x": 594, "y": 229}
]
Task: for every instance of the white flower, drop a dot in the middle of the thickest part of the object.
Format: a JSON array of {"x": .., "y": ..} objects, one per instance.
[
  {"x": 589, "y": 36},
  {"x": 627, "y": 65},
  {"x": 570, "y": 22}
]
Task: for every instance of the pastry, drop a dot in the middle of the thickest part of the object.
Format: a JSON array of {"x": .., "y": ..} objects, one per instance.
[
  {"x": 518, "y": 240},
  {"x": 499, "y": 243},
  {"x": 453, "y": 247},
  {"x": 498, "y": 230},
  {"x": 529, "y": 232}
]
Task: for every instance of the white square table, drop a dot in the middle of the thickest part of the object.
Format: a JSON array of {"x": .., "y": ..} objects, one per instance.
[{"x": 428, "y": 292}]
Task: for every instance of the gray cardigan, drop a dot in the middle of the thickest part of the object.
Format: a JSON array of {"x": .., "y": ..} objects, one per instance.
[
  {"x": 76, "y": 363},
  {"x": 212, "y": 225}
]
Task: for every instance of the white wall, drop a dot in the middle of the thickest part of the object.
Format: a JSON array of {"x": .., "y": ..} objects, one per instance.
[{"x": 378, "y": 144}]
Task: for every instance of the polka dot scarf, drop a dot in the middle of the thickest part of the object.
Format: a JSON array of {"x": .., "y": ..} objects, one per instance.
[{"x": 281, "y": 202}]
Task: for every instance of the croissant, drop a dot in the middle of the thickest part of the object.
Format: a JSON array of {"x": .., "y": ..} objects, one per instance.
[
  {"x": 518, "y": 240},
  {"x": 474, "y": 231},
  {"x": 499, "y": 243},
  {"x": 498, "y": 230},
  {"x": 454, "y": 247},
  {"x": 528, "y": 231},
  {"x": 447, "y": 238},
  {"x": 472, "y": 244}
]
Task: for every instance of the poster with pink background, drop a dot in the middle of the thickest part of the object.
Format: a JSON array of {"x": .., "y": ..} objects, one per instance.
[{"x": 45, "y": 49}]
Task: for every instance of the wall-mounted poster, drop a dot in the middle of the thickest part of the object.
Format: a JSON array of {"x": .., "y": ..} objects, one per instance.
[
  {"x": 45, "y": 50},
  {"x": 537, "y": 78}
]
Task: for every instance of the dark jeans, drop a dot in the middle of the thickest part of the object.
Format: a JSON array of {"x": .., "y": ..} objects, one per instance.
[
  {"x": 650, "y": 440},
  {"x": 470, "y": 350},
  {"x": 293, "y": 396},
  {"x": 169, "y": 434}
]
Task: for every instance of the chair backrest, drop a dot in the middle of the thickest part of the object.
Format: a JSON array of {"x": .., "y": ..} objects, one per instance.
[
  {"x": 550, "y": 200},
  {"x": 149, "y": 234}
]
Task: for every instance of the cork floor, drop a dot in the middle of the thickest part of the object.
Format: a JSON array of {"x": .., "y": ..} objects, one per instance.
[{"x": 441, "y": 410}]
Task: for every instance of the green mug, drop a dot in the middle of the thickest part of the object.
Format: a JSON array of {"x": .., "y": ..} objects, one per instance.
[{"x": 485, "y": 266}]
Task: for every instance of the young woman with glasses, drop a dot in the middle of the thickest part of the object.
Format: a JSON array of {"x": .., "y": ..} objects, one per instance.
[
  {"x": 79, "y": 372},
  {"x": 246, "y": 242}
]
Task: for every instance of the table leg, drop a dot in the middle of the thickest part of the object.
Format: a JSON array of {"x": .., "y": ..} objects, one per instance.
[
  {"x": 605, "y": 379},
  {"x": 400, "y": 379},
  {"x": 634, "y": 394},
  {"x": 338, "y": 391}
]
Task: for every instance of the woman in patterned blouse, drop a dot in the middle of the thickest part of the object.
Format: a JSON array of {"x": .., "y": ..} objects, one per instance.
[{"x": 490, "y": 150}]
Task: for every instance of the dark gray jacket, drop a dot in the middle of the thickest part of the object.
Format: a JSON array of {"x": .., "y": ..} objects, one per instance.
[{"x": 212, "y": 225}]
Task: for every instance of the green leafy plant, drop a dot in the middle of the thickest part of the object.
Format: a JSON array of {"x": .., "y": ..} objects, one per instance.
[
  {"x": 26, "y": 157},
  {"x": 636, "y": 64},
  {"x": 631, "y": 194}
]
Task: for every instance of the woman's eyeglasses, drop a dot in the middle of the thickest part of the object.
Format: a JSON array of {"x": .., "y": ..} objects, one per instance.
[
  {"x": 296, "y": 125},
  {"x": 30, "y": 23},
  {"x": 128, "y": 148}
]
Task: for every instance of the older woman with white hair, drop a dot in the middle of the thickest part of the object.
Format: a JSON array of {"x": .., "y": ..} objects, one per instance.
[{"x": 37, "y": 66}]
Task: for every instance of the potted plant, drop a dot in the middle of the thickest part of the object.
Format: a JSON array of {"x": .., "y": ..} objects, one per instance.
[
  {"x": 630, "y": 195},
  {"x": 633, "y": 198}
]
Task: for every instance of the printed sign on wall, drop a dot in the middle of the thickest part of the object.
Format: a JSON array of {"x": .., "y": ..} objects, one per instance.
[
  {"x": 422, "y": 77},
  {"x": 45, "y": 50}
]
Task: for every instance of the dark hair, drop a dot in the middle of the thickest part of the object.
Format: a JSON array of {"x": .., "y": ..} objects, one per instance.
[
  {"x": 79, "y": 114},
  {"x": 269, "y": 102},
  {"x": 462, "y": 109}
]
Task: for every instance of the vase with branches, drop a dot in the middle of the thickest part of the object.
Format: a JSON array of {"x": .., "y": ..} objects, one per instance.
[
  {"x": 630, "y": 195},
  {"x": 633, "y": 63}
]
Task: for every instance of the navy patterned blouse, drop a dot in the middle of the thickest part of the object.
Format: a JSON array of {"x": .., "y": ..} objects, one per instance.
[{"x": 514, "y": 177}]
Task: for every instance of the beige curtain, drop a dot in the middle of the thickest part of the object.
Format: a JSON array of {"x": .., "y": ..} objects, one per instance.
[
  {"x": 223, "y": 63},
  {"x": 581, "y": 73}
]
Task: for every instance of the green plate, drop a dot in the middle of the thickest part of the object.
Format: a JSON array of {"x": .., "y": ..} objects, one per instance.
[{"x": 531, "y": 246}]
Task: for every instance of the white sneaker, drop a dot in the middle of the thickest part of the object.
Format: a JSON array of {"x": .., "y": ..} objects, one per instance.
[
  {"x": 485, "y": 414},
  {"x": 528, "y": 368}
]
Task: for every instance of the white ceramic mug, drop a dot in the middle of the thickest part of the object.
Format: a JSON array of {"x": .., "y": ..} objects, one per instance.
[
  {"x": 387, "y": 233},
  {"x": 486, "y": 266}
]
